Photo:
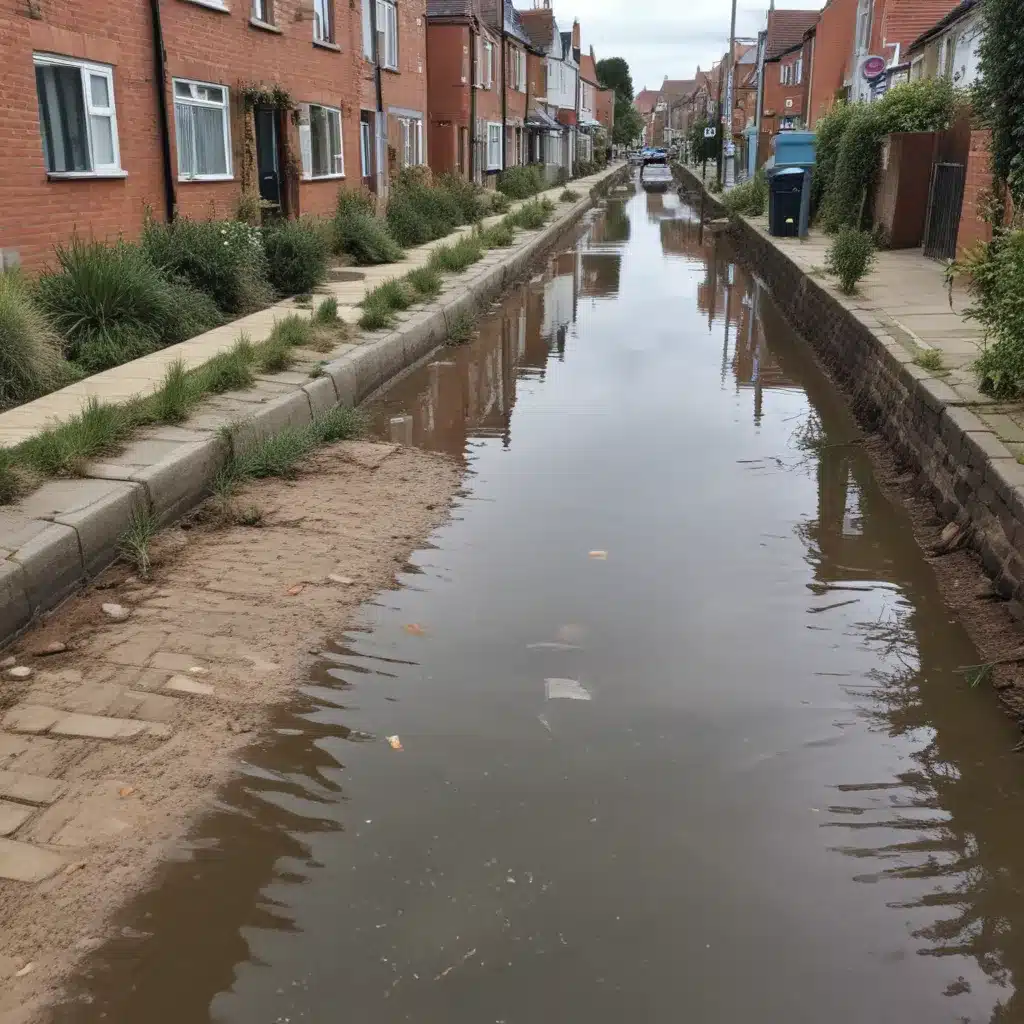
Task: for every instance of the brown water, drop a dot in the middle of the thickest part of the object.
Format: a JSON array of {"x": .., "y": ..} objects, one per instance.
[{"x": 781, "y": 803}]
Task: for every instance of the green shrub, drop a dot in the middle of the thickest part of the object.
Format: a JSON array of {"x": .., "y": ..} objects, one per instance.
[
  {"x": 425, "y": 281},
  {"x": 584, "y": 168},
  {"x": 376, "y": 316},
  {"x": 531, "y": 215},
  {"x": 828, "y": 135},
  {"x": 419, "y": 212},
  {"x": 223, "y": 258},
  {"x": 112, "y": 304},
  {"x": 521, "y": 182},
  {"x": 569, "y": 196},
  {"x": 12, "y": 478},
  {"x": 462, "y": 329},
  {"x": 995, "y": 280},
  {"x": 177, "y": 396},
  {"x": 31, "y": 362},
  {"x": 360, "y": 234},
  {"x": 297, "y": 255},
  {"x": 850, "y": 257},
  {"x": 468, "y": 197},
  {"x": 749, "y": 198},
  {"x": 394, "y": 293}
]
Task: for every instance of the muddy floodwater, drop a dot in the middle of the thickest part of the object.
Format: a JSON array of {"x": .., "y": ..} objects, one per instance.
[{"x": 678, "y": 729}]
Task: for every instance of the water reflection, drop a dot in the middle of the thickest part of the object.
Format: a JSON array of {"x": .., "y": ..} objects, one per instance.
[{"x": 781, "y": 775}]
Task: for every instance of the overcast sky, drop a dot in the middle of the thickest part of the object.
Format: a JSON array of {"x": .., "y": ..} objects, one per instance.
[{"x": 660, "y": 37}]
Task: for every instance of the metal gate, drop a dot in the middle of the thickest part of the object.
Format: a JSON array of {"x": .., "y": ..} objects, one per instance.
[{"x": 944, "y": 202}]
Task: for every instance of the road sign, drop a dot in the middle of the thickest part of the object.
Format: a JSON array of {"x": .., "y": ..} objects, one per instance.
[
  {"x": 872, "y": 67},
  {"x": 709, "y": 133}
]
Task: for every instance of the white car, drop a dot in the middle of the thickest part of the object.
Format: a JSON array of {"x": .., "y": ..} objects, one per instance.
[{"x": 656, "y": 177}]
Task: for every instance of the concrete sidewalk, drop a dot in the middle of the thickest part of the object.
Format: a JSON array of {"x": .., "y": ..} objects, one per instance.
[
  {"x": 907, "y": 293},
  {"x": 143, "y": 376}
]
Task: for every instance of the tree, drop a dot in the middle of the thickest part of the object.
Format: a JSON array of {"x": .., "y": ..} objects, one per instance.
[
  {"x": 628, "y": 123},
  {"x": 613, "y": 73}
]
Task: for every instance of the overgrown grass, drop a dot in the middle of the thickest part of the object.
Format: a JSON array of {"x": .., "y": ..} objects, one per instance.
[
  {"x": 532, "y": 215},
  {"x": 750, "y": 197},
  {"x": 929, "y": 359},
  {"x": 112, "y": 304},
  {"x": 426, "y": 282},
  {"x": 133, "y": 545},
  {"x": 177, "y": 397},
  {"x": 569, "y": 196},
  {"x": 31, "y": 361},
  {"x": 12, "y": 478},
  {"x": 326, "y": 312},
  {"x": 498, "y": 236},
  {"x": 359, "y": 234},
  {"x": 376, "y": 317},
  {"x": 419, "y": 212},
  {"x": 462, "y": 329},
  {"x": 454, "y": 258},
  {"x": 229, "y": 371}
]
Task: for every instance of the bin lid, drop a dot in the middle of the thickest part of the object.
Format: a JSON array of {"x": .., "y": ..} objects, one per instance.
[{"x": 788, "y": 170}]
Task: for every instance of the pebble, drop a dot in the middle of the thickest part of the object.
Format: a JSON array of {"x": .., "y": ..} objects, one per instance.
[
  {"x": 55, "y": 647},
  {"x": 9, "y": 662},
  {"x": 117, "y": 612},
  {"x": 19, "y": 672},
  {"x": 344, "y": 581},
  {"x": 27, "y": 969}
]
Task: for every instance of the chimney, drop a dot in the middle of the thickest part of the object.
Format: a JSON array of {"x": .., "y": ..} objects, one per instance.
[{"x": 576, "y": 35}]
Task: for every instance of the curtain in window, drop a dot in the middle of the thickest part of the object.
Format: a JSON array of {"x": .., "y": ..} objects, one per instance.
[
  {"x": 201, "y": 149},
  {"x": 62, "y": 118}
]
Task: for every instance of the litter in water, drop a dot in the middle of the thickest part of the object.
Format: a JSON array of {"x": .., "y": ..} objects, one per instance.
[
  {"x": 415, "y": 629},
  {"x": 552, "y": 646},
  {"x": 601, "y": 556},
  {"x": 395, "y": 743},
  {"x": 565, "y": 689}
]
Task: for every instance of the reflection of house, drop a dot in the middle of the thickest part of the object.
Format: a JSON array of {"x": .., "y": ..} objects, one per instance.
[
  {"x": 600, "y": 274},
  {"x": 683, "y": 237},
  {"x": 561, "y": 292},
  {"x": 614, "y": 225}
]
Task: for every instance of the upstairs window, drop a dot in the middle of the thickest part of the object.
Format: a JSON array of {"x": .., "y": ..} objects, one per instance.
[
  {"x": 387, "y": 34},
  {"x": 262, "y": 10},
  {"x": 202, "y": 130},
  {"x": 323, "y": 21},
  {"x": 76, "y": 116},
  {"x": 488, "y": 73}
]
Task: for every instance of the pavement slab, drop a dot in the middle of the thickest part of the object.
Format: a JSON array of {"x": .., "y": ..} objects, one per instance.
[
  {"x": 13, "y": 816},
  {"x": 23, "y": 862},
  {"x": 29, "y": 789}
]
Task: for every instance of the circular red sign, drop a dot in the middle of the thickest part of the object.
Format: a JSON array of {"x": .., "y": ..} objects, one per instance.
[{"x": 872, "y": 67}]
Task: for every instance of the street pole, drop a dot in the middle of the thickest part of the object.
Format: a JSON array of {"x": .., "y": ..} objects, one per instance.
[
  {"x": 718, "y": 126},
  {"x": 729, "y": 101}
]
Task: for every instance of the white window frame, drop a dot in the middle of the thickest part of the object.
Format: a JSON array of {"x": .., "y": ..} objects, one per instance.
[
  {"x": 323, "y": 14},
  {"x": 493, "y": 140},
  {"x": 488, "y": 64},
  {"x": 412, "y": 136},
  {"x": 387, "y": 23},
  {"x": 306, "y": 143},
  {"x": 87, "y": 68},
  {"x": 798, "y": 70},
  {"x": 195, "y": 102},
  {"x": 260, "y": 10},
  {"x": 365, "y": 147}
]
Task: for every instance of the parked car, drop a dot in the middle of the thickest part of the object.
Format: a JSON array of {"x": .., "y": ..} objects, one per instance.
[
  {"x": 635, "y": 157},
  {"x": 656, "y": 176}
]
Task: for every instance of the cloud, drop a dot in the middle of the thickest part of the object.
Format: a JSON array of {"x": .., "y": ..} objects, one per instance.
[{"x": 660, "y": 38}]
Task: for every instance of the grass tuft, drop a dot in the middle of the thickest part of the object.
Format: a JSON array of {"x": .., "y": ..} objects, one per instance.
[
  {"x": 929, "y": 359},
  {"x": 454, "y": 258},
  {"x": 499, "y": 236},
  {"x": 569, "y": 196},
  {"x": 425, "y": 282},
  {"x": 12, "y": 478},
  {"x": 179, "y": 394},
  {"x": 326, "y": 312},
  {"x": 99, "y": 429},
  {"x": 462, "y": 329},
  {"x": 229, "y": 371},
  {"x": 376, "y": 317},
  {"x": 133, "y": 544}
]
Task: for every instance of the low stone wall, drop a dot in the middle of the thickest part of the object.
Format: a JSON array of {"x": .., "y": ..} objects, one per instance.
[
  {"x": 68, "y": 530},
  {"x": 966, "y": 471}
]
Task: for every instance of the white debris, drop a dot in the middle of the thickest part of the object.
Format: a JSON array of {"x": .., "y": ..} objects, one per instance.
[
  {"x": 117, "y": 612},
  {"x": 565, "y": 689}
]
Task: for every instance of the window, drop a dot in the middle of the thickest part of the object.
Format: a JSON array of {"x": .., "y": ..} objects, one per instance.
[
  {"x": 323, "y": 21},
  {"x": 320, "y": 141},
  {"x": 517, "y": 69},
  {"x": 365, "y": 148},
  {"x": 798, "y": 70},
  {"x": 412, "y": 140},
  {"x": 263, "y": 11},
  {"x": 201, "y": 127},
  {"x": 488, "y": 72},
  {"x": 493, "y": 147},
  {"x": 76, "y": 116},
  {"x": 387, "y": 34}
]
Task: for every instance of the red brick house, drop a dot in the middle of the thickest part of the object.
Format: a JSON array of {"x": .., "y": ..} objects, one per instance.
[
  {"x": 270, "y": 99},
  {"x": 645, "y": 102},
  {"x": 785, "y": 65}
]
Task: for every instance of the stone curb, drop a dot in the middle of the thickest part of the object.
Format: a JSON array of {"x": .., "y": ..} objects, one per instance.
[
  {"x": 71, "y": 529},
  {"x": 962, "y": 466}
]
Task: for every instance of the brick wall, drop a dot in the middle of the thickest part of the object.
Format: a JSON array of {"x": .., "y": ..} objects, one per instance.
[
  {"x": 780, "y": 100},
  {"x": 220, "y": 47},
  {"x": 973, "y": 228}
]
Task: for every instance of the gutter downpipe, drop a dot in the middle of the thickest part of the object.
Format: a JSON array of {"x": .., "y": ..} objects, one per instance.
[
  {"x": 160, "y": 69},
  {"x": 472, "y": 102},
  {"x": 504, "y": 91},
  {"x": 379, "y": 130}
]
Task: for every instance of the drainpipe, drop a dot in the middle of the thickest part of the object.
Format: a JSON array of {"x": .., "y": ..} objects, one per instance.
[
  {"x": 160, "y": 71},
  {"x": 472, "y": 103},
  {"x": 379, "y": 132},
  {"x": 504, "y": 92}
]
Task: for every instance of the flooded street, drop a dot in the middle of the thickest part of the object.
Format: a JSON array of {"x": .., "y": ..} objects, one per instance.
[{"x": 681, "y": 733}]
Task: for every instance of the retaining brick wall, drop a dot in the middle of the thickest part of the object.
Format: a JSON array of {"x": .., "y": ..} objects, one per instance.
[{"x": 962, "y": 466}]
